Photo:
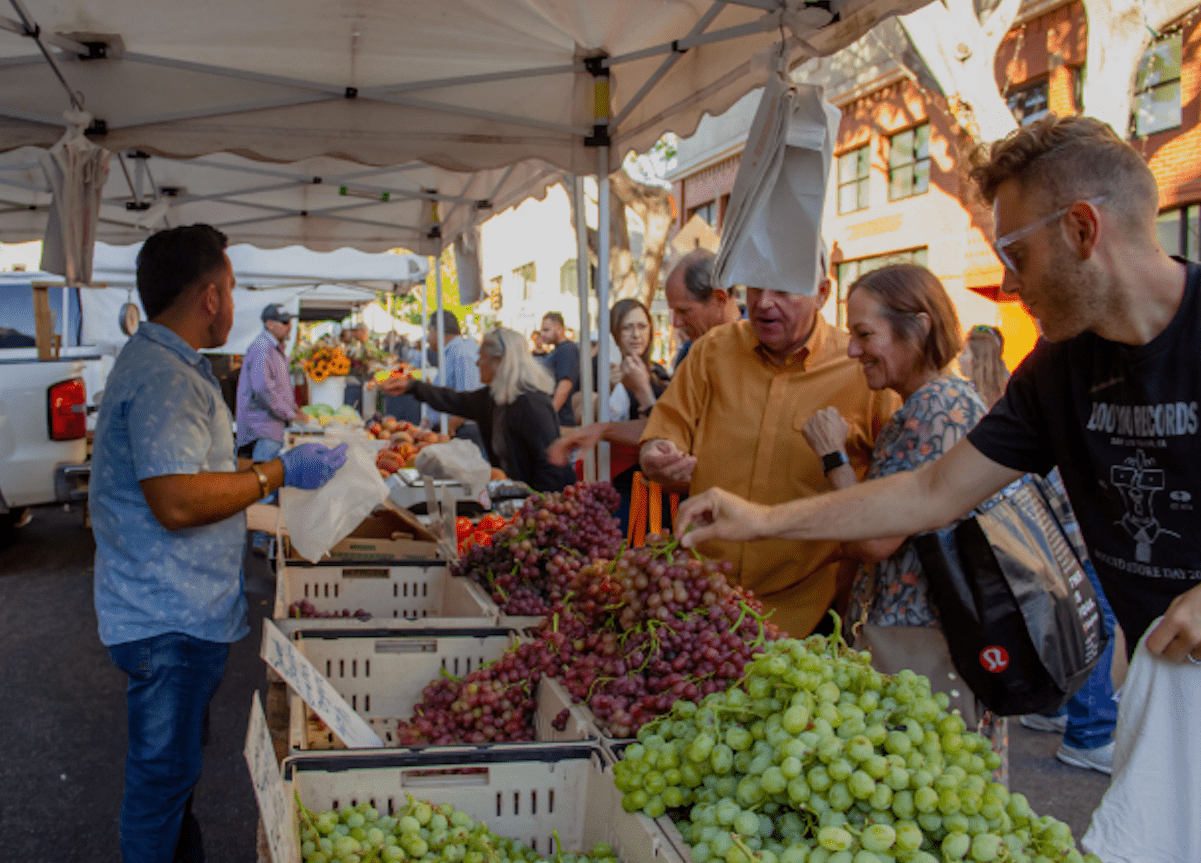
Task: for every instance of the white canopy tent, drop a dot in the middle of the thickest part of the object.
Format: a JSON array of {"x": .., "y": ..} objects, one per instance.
[{"x": 461, "y": 84}]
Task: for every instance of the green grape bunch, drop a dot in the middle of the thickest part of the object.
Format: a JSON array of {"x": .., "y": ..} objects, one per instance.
[
  {"x": 420, "y": 832},
  {"x": 815, "y": 757}
]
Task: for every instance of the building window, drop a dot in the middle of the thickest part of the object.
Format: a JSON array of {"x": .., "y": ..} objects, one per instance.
[
  {"x": 1179, "y": 231},
  {"x": 1157, "y": 87},
  {"x": 848, "y": 271},
  {"x": 708, "y": 212},
  {"x": 569, "y": 277},
  {"x": 526, "y": 275},
  {"x": 1029, "y": 102},
  {"x": 909, "y": 162},
  {"x": 494, "y": 294},
  {"x": 853, "y": 170}
]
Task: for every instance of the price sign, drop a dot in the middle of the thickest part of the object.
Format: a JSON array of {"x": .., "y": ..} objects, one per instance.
[
  {"x": 317, "y": 692},
  {"x": 269, "y": 787}
]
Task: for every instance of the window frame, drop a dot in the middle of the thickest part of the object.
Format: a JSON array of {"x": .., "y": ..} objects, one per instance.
[
  {"x": 1144, "y": 89},
  {"x": 847, "y": 271},
  {"x": 894, "y": 168},
  {"x": 861, "y": 180},
  {"x": 1043, "y": 84}
]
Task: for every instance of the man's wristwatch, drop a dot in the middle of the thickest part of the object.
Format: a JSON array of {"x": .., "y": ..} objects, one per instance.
[
  {"x": 264, "y": 487},
  {"x": 833, "y": 460}
]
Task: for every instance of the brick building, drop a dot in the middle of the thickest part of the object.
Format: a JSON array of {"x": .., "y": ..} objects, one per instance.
[{"x": 897, "y": 191}]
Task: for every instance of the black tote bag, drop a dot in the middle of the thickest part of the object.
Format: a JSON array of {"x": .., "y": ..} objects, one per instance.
[{"x": 1020, "y": 615}]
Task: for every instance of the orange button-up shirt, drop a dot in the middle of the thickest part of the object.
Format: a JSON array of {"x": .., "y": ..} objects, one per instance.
[{"x": 740, "y": 413}]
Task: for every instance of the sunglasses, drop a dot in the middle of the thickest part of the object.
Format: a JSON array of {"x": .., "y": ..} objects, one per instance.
[{"x": 1002, "y": 243}]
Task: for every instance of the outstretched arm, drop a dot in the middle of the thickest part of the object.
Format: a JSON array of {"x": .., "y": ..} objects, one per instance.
[{"x": 900, "y": 505}]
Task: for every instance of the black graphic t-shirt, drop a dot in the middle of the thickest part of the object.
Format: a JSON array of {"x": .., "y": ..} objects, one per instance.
[{"x": 1122, "y": 423}]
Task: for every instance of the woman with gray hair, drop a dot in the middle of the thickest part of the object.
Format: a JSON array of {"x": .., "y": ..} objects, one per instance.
[{"x": 515, "y": 414}]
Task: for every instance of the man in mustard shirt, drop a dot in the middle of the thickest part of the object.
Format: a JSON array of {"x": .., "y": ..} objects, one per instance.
[{"x": 732, "y": 418}]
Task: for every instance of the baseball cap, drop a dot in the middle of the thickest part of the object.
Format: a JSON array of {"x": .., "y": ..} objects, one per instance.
[{"x": 277, "y": 312}]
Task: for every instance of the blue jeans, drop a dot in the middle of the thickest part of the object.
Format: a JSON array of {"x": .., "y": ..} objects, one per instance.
[
  {"x": 172, "y": 678},
  {"x": 266, "y": 449},
  {"x": 1092, "y": 712}
]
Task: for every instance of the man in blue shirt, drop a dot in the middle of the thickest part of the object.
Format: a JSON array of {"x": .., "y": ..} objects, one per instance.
[
  {"x": 461, "y": 355},
  {"x": 563, "y": 363},
  {"x": 167, "y": 500}
]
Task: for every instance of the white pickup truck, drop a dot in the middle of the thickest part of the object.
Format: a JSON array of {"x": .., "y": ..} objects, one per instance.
[{"x": 43, "y": 415}]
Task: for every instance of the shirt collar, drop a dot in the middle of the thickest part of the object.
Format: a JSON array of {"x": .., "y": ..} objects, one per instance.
[
  {"x": 815, "y": 345},
  {"x": 172, "y": 341}
]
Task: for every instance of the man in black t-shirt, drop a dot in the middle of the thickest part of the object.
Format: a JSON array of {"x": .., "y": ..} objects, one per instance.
[
  {"x": 563, "y": 363},
  {"x": 1111, "y": 395}
]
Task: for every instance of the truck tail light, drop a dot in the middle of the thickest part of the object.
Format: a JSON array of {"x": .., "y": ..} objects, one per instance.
[{"x": 67, "y": 407}]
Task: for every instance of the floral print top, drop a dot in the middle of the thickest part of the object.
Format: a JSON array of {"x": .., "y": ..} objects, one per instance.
[{"x": 931, "y": 421}]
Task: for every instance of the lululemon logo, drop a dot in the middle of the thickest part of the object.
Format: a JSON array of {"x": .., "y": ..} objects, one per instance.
[{"x": 994, "y": 658}]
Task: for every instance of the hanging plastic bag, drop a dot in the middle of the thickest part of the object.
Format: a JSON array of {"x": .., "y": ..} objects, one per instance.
[
  {"x": 317, "y": 520},
  {"x": 772, "y": 233},
  {"x": 457, "y": 460},
  {"x": 1152, "y": 810}
]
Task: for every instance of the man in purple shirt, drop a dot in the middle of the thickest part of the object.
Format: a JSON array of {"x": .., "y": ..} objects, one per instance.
[{"x": 266, "y": 402}]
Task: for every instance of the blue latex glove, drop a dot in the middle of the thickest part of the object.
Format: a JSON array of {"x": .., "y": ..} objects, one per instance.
[{"x": 311, "y": 465}]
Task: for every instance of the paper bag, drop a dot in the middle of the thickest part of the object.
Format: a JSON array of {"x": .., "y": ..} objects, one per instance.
[
  {"x": 317, "y": 520},
  {"x": 772, "y": 233}
]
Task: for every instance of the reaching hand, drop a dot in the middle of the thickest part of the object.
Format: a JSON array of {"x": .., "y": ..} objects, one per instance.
[
  {"x": 312, "y": 465},
  {"x": 662, "y": 462},
  {"x": 584, "y": 437},
  {"x": 718, "y": 514},
  {"x": 1179, "y": 633},
  {"x": 637, "y": 379},
  {"x": 826, "y": 432},
  {"x": 392, "y": 386}
]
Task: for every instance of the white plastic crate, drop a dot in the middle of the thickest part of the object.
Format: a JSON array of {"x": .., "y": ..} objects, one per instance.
[
  {"x": 382, "y": 673},
  {"x": 387, "y": 590},
  {"x": 522, "y": 792}
]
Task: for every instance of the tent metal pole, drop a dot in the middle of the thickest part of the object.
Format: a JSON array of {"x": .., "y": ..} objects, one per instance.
[
  {"x": 441, "y": 337},
  {"x": 438, "y": 83},
  {"x": 770, "y": 21},
  {"x": 221, "y": 111},
  {"x": 602, "y": 298},
  {"x": 666, "y": 65},
  {"x": 576, "y": 131},
  {"x": 587, "y": 390},
  {"x": 691, "y": 99},
  {"x": 30, "y": 116},
  {"x": 425, "y": 348}
]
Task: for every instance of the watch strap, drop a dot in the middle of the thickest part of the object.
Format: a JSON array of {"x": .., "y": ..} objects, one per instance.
[
  {"x": 833, "y": 460},
  {"x": 264, "y": 484}
]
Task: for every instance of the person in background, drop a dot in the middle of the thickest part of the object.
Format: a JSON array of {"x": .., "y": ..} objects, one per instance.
[
  {"x": 732, "y": 419},
  {"x": 462, "y": 371},
  {"x": 266, "y": 402},
  {"x": 563, "y": 363},
  {"x": 167, "y": 496},
  {"x": 642, "y": 382},
  {"x": 981, "y": 362},
  {"x": 692, "y": 274},
  {"x": 696, "y": 306},
  {"x": 516, "y": 417},
  {"x": 1087, "y": 721}
]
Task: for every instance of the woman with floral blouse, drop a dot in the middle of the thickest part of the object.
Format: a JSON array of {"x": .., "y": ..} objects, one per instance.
[{"x": 906, "y": 334}]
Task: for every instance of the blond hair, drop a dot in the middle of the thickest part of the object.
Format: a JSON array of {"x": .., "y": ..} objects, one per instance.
[
  {"x": 516, "y": 369},
  {"x": 989, "y": 374}
]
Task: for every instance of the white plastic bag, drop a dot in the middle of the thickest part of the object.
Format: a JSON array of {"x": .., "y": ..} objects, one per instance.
[
  {"x": 458, "y": 460},
  {"x": 318, "y": 520},
  {"x": 772, "y": 234},
  {"x": 1152, "y": 810}
]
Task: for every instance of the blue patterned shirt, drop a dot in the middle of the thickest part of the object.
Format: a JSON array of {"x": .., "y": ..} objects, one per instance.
[{"x": 162, "y": 413}]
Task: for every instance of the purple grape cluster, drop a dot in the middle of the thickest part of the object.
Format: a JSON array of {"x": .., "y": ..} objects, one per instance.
[
  {"x": 532, "y": 562},
  {"x": 304, "y": 608}
]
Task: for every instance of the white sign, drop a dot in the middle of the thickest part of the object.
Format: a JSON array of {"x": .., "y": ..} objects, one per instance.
[
  {"x": 269, "y": 787},
  {"x": 304, "y": 678}
]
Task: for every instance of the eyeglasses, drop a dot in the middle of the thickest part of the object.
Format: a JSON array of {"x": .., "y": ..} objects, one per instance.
[{"x": 1002, "y": 243}]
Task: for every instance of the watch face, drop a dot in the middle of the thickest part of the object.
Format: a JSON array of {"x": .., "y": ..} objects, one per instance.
[{"x": 129, "y": 319}]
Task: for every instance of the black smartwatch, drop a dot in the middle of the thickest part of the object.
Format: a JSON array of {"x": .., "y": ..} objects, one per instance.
[{"x": 833, "y": 460}]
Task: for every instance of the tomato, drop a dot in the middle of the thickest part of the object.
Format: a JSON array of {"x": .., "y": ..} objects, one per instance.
[
  {"x": 463, "y": 527},
  {"x": 492, "y": 522},
  {"x": 481, "y": 537}
]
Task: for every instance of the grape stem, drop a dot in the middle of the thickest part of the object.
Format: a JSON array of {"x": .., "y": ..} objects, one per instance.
[
  {"x": 742, "y": 847},
  {"x": 305, "y": 815}
]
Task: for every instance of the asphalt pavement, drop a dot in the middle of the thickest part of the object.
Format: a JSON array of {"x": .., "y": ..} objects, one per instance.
[{"x": 64, "y": 726}]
